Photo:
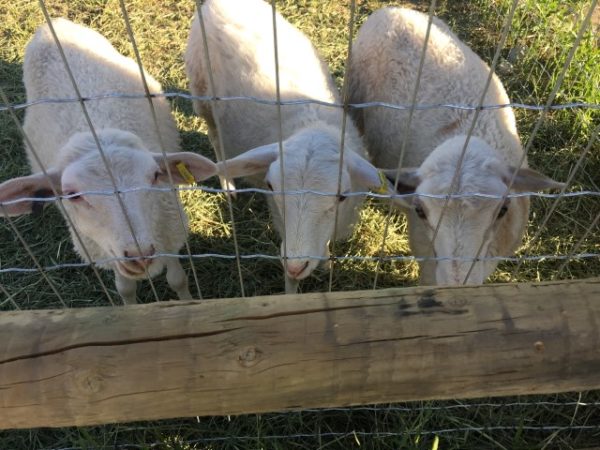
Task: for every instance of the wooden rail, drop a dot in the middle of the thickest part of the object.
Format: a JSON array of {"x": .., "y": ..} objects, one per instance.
[{"x": 233, "y": 356}]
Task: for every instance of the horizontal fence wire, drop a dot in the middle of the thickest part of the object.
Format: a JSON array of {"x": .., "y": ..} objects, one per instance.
[
  {"x": 50, "y": 199},
  {"x": 383, "y": 258},
  {"x": 304, "y": 101},
  {"x": 329, "y": 428},
  {"x": 340, "y": 423},
  {"x": 387, "y": 258},
  {"x": 355, "y": 435}
]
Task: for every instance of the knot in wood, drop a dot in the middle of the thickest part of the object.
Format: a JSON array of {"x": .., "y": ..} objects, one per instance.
[
  {"x": 90, "y": 382},
  {"x": 539, "y": 346},
  {"x": 249, "y": 356}
]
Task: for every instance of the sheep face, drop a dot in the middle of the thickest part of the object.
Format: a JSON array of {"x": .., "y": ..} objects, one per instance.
[
  {"x": 309, "y": 217},
  {"x": 461, "y": 233},
  {"x": 99, "y": 219},
  {"x": 311, "y": 162},
  {"x": 470, "y": 222}
]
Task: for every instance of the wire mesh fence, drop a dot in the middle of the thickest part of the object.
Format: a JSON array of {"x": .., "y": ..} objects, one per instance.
[
  {"x": 547, "y": 57},
  {"x": 557, "y": 422}
]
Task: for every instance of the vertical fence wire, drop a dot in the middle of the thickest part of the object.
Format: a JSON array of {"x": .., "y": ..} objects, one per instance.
[
  {"x": 32, "y": 255},
  {"x": 280, "y": 146},
  {"x": 576, "y": 247},
  {"x": 561, "y": 196},
  {"x": 161, "y": 142},
  {"x": 61, "y": 207},
  {"x": 9, "y": 298},
  {"x": 345, "y": 95},
  {"x": 413, "y": 103},
  {"x": 95, "y": 137},
  {"x": 456, "y": 177},
  {"x": 536, "y": 128},
  {"x": 221, "y": 156}
]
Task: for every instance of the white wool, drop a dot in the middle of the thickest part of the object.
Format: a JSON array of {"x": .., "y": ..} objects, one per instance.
[
  {"x": 385, "y": 61},
  {"x": 98, "y": 69},
  {"x": 240, "y": 42},
  {"x": 62, "y": 139}
]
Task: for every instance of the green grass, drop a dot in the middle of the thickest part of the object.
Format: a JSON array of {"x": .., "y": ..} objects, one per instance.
[{"x": 532, "y": 58}]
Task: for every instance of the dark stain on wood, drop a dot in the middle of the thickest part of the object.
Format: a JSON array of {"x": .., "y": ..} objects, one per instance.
[
  {"x": 428, "y": 300},
  {"x": 427, "y": 304}
]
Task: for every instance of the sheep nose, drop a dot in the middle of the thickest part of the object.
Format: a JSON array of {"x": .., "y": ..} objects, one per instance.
[
  {"x": 142, "y": 258},
  {"x": 296, "y": 268}
]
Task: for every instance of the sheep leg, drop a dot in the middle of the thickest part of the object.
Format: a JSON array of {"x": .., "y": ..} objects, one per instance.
[
  {"x": 291, "y": 285},
  {"x": 213, "y": 135},
  {"x": 126, "y": 288},
  {"x": 327, "y": 263},
  {"x": 177, "y": 279},
  {"x": 228, "y": 185},
  {"x": 427, "y": 273},
  {"x": 421, "y": 247}
]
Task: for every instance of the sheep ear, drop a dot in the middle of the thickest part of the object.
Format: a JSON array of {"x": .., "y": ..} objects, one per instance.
[
  {"x": 185, "y": 167},
  {"x": 408, "y": 179},
  {"x": 531, "y": 180},
  {"x": 249, "y": 163},
  {"x": 34, "y": 186},
  {"x": 365, "y": 174}
]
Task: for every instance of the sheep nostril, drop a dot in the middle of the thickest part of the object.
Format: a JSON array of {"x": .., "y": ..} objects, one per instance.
[{"x": 296, "y": 270}]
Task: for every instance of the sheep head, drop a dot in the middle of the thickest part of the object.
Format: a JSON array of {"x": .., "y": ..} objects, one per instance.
[
  {"x": 311, "y": 162},
  {"x": 469, "y": 222},
  {"x": 99, "y": 219}
]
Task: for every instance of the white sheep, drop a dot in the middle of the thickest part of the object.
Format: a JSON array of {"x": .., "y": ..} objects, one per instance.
[
  {"x": 384, "y": 67},
  {"x": 61, "y": 137},
  {"x": 241, "y": 50}
]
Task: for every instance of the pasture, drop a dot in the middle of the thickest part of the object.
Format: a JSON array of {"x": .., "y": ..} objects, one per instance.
[{"x": 540, "y": 38}]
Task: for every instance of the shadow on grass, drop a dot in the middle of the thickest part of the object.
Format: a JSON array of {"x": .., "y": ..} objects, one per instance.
[
  {"x": 46, "y": 235},
  {"x": 13, "y": 157}
]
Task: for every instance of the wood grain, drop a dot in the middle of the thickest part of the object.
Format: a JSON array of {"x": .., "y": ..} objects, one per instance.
[{"x": 172, "y": 359}]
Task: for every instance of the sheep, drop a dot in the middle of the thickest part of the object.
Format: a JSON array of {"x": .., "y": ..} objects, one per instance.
[
  {"x": 67, "y": 150},
  {"x": 384, "y": 67},
  {"x": 239, "y": 35}
]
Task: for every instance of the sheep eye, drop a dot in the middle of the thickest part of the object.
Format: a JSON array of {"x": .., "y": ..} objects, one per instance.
[
  {"x": 156, "y": 175},
  {"x": 73, "y": 196},
  {"x": 269, "y": 185},
  {"x": 502, "y": 211},
  {"x": 341, "y": 198},
  {"x": 420, "y": 212}
]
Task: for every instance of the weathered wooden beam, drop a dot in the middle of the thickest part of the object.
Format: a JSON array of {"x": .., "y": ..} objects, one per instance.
[{"x": 232, "y": 356}]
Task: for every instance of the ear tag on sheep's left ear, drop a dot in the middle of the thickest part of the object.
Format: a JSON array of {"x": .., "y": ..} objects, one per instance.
[
  {"x": 185, "y": 173},
  {"x": 382, "y": 189}
]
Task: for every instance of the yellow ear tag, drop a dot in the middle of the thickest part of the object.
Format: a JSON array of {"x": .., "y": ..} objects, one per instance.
[
  {"x": 382, "y": 189},
  {"x": 185, "y": 173}
]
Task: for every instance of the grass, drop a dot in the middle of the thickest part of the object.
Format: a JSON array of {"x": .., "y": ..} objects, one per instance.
[{"x": 539, "y": 41}]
